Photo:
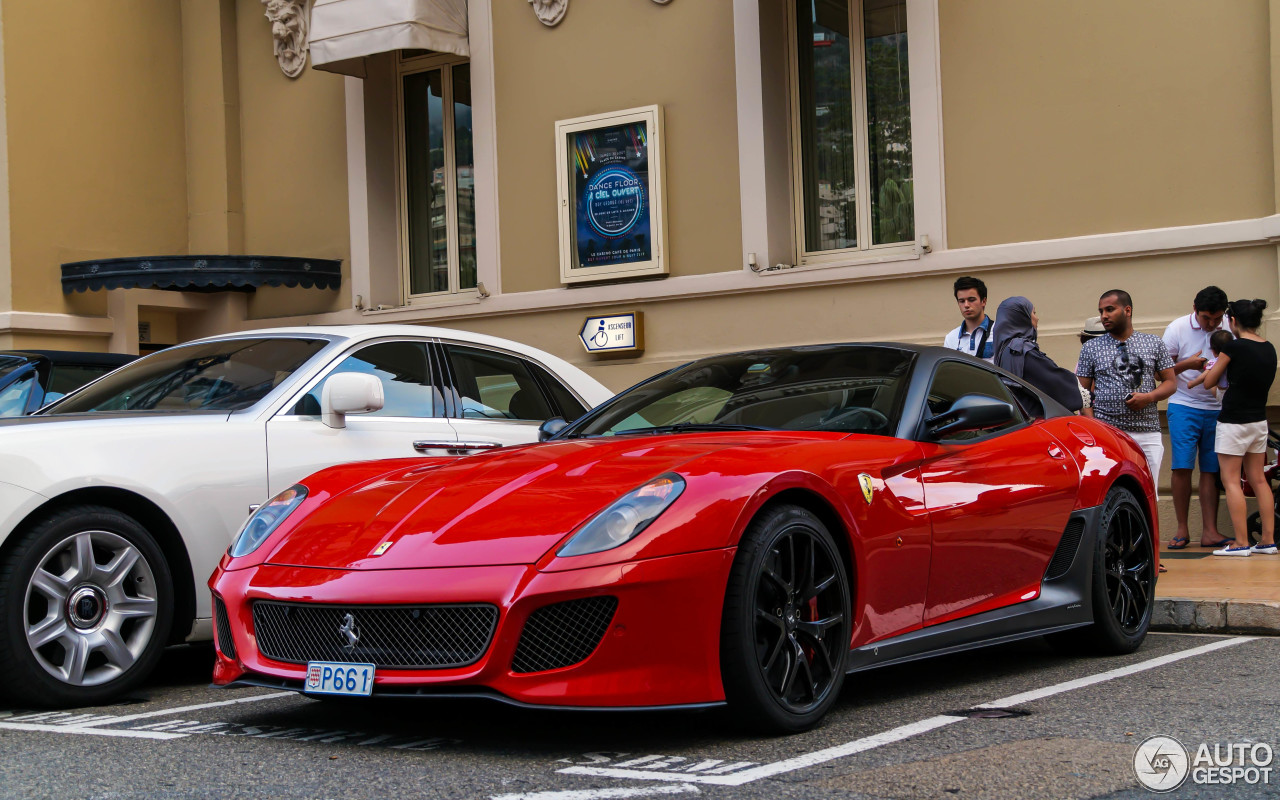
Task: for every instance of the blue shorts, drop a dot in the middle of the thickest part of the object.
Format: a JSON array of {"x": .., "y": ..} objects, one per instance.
[{"x": 1191, "y": 429}]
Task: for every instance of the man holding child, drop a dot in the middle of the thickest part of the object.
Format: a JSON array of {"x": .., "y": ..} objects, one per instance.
[{"x": 1193, "y": 415}]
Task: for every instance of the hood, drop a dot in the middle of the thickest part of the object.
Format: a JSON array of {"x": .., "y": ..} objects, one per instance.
[
  {"x": 506, "y": 507},
  {"x": 33, "y": 449}
]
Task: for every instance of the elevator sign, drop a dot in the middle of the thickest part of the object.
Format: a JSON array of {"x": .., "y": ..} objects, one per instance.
[{"x": 618, "y": 333}]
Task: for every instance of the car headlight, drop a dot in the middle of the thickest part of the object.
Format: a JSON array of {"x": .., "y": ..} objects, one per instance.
[
  {"x": 266, "y": 519},
  {"x": 625, "y": 518}
]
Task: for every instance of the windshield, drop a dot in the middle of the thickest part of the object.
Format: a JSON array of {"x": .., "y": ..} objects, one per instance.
[
  {"x": 213, "y": 376},
  {"x": 846, "y": 388},
  {"x": 10, "y": 363}
]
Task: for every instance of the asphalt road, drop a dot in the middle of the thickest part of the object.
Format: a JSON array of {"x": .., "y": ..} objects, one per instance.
[{"x": 890, "y": 736}]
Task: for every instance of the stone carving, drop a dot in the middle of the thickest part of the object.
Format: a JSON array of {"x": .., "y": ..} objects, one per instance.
[
  {"x": 289, "y": 23},
  {"x": 549, "y": 12}
]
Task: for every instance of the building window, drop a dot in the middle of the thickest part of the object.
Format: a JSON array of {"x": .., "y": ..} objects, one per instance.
[
  {"x": 437, "y": 175},
  {"x": 852, "y": 125}
]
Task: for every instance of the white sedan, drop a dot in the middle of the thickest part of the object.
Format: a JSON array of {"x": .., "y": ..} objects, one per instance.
[{"x": 117, "y": 501}]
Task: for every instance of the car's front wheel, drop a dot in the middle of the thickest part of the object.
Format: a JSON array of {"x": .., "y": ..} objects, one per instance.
[
  {"x": 86, "y": 603},
  {"x": 786, "y": 627}
]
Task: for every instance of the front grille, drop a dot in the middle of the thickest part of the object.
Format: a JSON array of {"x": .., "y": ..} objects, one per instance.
[
  {"x": 563, "y": 634},
  {"x": 390, "y": 637},
  {"x": 1066, "y": 552},
  {"x": 225, "y": 643}
]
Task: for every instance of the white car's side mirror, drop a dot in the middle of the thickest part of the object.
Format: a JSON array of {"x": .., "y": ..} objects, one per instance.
[{"x": 349, "y": 393}]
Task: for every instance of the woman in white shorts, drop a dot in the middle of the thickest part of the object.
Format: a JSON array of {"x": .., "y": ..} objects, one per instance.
[{"x": 1249, "y": 363}]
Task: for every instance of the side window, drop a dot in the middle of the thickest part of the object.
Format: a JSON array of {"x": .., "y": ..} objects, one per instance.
[
  {"x": 954, "y": 379},
  {"x": 570, "y": 406},
  {"x": 406, "y": 383},
  {"x": 13, "y": 398},
  {"x": 495, "y": 386},
  {"x": 66, "y": 378}
]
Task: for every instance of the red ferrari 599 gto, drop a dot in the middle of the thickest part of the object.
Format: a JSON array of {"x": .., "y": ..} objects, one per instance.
[{"x": 746, "y": 529}]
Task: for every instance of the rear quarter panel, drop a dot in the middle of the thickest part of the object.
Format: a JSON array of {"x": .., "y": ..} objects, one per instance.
[{"x": 1105, "y": 455}]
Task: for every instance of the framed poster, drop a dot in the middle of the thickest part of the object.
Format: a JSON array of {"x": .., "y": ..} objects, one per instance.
[{"x": 612, "y": 214}]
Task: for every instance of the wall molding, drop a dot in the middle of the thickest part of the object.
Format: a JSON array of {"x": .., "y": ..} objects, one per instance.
[
  {"x": 54, "y": 324},
  {"x": 1260, "y": 232},
  {"x": 1237, "y": 234}
]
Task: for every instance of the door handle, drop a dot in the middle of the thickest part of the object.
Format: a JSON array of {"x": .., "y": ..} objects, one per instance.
[
  {"x": 1056, "y": 452},
  {"x": 455, "y": 448}
]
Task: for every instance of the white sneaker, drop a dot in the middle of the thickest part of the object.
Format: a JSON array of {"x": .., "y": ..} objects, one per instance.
[
  {"x": 1266, "y": 549},
  {"x": 1232, "y": 550}
]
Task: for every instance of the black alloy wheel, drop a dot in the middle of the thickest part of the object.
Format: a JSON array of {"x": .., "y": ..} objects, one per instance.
[
  {"x": 1254, "y": 526},
  {"x": 786, "y": 628},
  {"x": 1124, "y": 581},
  {"x": 1129, "y": 568}
]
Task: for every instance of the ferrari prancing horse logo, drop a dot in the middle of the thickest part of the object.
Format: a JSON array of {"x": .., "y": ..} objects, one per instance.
[{"x": 868, "y": 487}]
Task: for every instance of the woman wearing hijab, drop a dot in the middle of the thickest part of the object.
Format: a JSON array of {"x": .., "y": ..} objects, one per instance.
[{"x": 1018, "y": 353}]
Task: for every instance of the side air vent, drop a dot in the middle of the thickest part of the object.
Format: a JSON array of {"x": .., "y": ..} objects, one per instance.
[
  {"x": 563, "y": 634},
  {"x": 1066, "y": 552},
  {"x": 225, "y": 643}
]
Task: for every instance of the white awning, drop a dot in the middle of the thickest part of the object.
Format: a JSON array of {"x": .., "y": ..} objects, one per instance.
[{"x": 343, "y": 32}]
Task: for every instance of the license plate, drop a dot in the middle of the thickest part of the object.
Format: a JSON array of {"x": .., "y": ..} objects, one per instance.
[{"x": 328, "y": 677}]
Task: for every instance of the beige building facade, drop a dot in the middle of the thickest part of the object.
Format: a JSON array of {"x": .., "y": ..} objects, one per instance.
[{"x": 829, "y": 166}]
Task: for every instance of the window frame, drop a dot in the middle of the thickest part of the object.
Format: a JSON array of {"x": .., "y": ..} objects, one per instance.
[
  {"x": 862, "y": 170},
  {"x": 288, "y": 409},
  {"x": 454, "y": 396},
  {"x": 410, "y": 65}
]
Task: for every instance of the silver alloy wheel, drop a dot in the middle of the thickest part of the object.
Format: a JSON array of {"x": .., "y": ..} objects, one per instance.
[{"x": 90, "y": 608}]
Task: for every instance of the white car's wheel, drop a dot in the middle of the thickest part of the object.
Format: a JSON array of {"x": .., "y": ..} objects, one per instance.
[{"x": 86, "y": 603}]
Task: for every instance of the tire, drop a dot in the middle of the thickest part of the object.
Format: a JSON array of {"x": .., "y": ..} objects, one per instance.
[
  {"x": 785, "y": 632},
  {"x": 86, "y": 605},
  {"x": 1124, "y": 581},
  {"x": 1254, "y": 526}
]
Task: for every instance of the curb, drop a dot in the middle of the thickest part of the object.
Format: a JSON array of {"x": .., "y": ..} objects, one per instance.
[{"x": 1215, "y": 615}]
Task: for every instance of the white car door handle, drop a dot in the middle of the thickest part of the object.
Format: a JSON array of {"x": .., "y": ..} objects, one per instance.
[{"x": 455, "y": 448}]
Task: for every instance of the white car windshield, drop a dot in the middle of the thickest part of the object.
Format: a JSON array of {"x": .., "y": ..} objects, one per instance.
[{"x": 211, "y": 376}]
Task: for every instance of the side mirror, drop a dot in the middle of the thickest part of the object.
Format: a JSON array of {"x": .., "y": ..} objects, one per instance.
[
  {"x": 551, "y": 427},
  {"x": 972, "y": 412},
  {"x": 349, "y": 393}
]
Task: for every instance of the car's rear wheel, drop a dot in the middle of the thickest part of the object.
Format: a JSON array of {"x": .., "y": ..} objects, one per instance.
[
  {"x": 86, "y": 603},
  {"x": 785, "y": 632},
  {"x": 1124, "y": 580}
]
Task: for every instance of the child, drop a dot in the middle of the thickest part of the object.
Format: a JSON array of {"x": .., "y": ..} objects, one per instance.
[{"x": 1216, "y": 343}]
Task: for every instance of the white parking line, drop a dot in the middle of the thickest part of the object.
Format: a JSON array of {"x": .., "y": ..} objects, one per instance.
[
  {"x": 899, "y": 733},
  {"x": 601, "y": 794},
  {"x": 1080, "y": 683},
  {"x": 184, "y": 709},
  {"x": 35, "y": 726}
]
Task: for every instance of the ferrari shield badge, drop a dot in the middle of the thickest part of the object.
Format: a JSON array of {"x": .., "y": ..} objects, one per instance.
[
  {"x": 868, "y": 487},
  {"x": 382, "y": 548}
]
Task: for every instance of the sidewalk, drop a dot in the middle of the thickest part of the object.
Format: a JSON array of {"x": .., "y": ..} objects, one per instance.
[{"x": 1207, "y": 594}]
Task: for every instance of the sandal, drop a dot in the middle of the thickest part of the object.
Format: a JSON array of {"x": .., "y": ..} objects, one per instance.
[
  {"x": 1223, "y": 543},
  {"x": 1163, "y": 568},
  {"x": 1179, "y": 543}
]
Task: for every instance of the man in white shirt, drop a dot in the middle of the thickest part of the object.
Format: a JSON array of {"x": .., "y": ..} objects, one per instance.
[
  {"x": 1193, "y": 416},
  {"x": 973, "y": 336}
]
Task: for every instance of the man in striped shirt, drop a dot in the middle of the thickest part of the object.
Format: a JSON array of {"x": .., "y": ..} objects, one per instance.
[{"x": 973, "y": 336}]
